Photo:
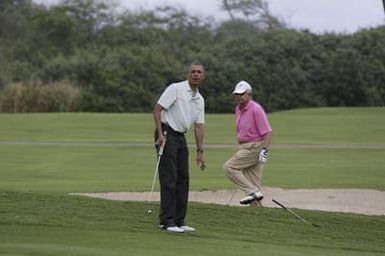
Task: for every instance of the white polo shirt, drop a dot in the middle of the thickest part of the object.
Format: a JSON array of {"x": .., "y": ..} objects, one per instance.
[{"x": 182, "y": 109}]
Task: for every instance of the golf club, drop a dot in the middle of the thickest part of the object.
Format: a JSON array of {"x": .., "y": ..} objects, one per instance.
[
  {"x": 290, "y": 211},
  {"x": 160, "y": 152},
  {"x": 232, "y": 196}
]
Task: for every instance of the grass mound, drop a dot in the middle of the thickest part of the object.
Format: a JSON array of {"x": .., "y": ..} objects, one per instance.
[{"x": 57, "y": 224}]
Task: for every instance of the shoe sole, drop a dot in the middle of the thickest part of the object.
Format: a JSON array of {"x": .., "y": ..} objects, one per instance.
[
  {"x": 188, "y": 230},
  {"x": 251, "y": 200},
  {"x": 163, "y": 227},
  {"x": 175, "y": 231}
]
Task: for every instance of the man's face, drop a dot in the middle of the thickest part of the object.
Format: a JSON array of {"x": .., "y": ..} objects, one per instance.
[
  {"x": 242, "y": 98},
  {"x": 196, "y": 75}
]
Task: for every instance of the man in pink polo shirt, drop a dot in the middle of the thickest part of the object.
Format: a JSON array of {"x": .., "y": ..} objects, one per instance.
[{"x": 245, "y": 168}]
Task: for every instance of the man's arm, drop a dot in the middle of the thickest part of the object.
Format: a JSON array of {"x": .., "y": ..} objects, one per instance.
[
  {"x": 158, "y": 124},
  {"x": 199, "y": 135},
  {"x": 267, "y": 140},
  {"x": 263, "y": 155}
]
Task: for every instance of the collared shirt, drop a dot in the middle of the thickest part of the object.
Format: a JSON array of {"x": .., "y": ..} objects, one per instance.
[
  {"x": 251, "y": 123},
  {"x": 182, "y": 106}
]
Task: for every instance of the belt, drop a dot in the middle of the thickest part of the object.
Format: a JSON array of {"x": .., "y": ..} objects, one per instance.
[
  {"x": 168, "y": 128},
  {"x": 244, "y": 142}
]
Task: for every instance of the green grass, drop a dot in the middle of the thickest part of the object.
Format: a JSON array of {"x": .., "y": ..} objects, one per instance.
[
  {"x": 330, "y": 125},
  {"x": 53, "y": 224},
  {"x": 326, "y": 168},
  {"x": 312, "y": 126},
  {"x": 76, "y": 127},
  {"x": 38, "y": 217},
  {"x": 82, "y": 168}
]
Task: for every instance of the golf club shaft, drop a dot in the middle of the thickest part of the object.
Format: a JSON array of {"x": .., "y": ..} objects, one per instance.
[
  {"x": 232, "y": 195},
  {"x": 287, "y": 209},
  {"x": 160, "y": 152},
  {"x": 153, "y": 181}
]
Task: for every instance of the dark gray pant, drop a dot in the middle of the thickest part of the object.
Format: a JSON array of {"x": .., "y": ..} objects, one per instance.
[{"x": 174, "y": 179}]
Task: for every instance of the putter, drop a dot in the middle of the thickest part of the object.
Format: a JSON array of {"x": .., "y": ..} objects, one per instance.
[
  {"x": 290, "y": 211},
  {"x": 160, "y": 152}
]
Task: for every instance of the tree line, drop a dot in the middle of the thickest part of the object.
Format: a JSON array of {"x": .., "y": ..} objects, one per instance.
[{"x": 89, "y": 55}]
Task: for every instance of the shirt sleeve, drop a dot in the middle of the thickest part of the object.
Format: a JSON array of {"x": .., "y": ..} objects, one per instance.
[
  {"x": 168, "y": 97},
  {"x": 262, "y": 123},
  {"x": 201, "y": 116}
]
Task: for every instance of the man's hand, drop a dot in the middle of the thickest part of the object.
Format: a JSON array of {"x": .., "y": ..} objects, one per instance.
[
  {"x": 263, "y": 155},
  {"x": 162, "y": 138},
  {"x": 201, "y": 160},
  {"x": 202, "y": 165}
]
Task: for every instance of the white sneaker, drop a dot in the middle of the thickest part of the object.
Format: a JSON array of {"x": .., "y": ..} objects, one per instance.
[
  {"x": 172, "y": 228},
  {"x": 175, "y": 229},
  {"x": 252, "y": 197},
  {"x": 187, "y": 228}
]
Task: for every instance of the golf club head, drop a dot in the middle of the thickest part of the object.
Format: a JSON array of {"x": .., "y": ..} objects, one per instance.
[
  {"x": 202, "y": 166},
  {"x": 149, "y": 211}
]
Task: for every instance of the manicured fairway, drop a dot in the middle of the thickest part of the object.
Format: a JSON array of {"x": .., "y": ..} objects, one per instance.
[
  {"x": 123, "y": 168},
  {"x": 312, "y": 126},
  {"x": 44, "y": 157}
]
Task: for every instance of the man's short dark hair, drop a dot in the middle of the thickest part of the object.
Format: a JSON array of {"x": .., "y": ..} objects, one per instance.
[{"x": 195, "y": 63}]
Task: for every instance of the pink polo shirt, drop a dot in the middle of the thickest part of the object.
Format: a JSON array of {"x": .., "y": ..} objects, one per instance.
[{"x": 251, "y": 123}]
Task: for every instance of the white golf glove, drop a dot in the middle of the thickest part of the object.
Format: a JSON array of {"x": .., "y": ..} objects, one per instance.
[{"x": 263, "y": 155}]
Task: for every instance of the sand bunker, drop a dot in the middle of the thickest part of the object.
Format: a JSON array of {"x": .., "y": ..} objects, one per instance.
[{"x": 361, "y": 201}]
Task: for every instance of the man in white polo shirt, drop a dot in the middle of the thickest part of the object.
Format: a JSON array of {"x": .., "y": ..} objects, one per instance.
[{"x": 178, "y": 108}]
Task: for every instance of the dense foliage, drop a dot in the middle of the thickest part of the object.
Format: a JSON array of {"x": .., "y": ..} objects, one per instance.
[{"x": 108, "y": 60}]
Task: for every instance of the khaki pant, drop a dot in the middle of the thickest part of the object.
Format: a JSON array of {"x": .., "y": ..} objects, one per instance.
[{"x": 244, "y": 168}]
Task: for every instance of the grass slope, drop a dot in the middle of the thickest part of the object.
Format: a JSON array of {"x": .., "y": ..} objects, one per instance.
[{"x": 53, "y": 224}]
